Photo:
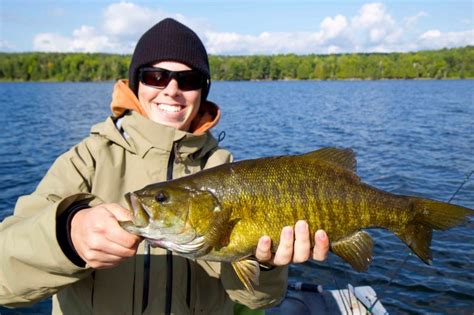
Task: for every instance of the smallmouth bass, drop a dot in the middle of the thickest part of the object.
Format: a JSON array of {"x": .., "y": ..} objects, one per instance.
[{"x": 219, "y": 214}]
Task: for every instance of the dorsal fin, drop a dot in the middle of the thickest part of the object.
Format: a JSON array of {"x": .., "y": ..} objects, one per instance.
[{"x": 344, "y": 158}]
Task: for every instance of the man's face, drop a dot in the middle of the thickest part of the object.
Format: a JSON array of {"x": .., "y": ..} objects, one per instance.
[{"x": 170, "y": 105}]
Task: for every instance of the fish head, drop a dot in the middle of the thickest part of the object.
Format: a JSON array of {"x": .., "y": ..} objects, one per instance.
[{"x": 171, "y": 216}]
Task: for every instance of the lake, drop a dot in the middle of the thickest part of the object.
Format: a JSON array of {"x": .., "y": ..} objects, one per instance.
[{"x": 411, "y": 137}]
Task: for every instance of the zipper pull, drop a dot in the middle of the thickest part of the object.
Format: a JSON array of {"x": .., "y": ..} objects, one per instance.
[{"x": 176, "y": 153}]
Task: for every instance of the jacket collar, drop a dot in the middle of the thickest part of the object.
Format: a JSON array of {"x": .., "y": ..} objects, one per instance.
[{"x": 144, "y": 134}]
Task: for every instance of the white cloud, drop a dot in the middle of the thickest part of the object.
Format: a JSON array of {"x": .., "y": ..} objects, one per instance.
[
  {"x": 412, "y": 20},
  {"x": 86, "y": 39},
  {"x": 233, "y": 43},
  {"x": 371, "y": 14},
  {"x": 371, "y": 29},
  {"x": 123, "y": 23},
  {"x": 333, "y": 27},
  {"x": 127, "y": 19},
  {"x": 6, "y": 46},
  {"x": 52, "y": 42},
  {"x": 435, "y": 39},
  {"x": 333, "y": 49},
  {"x": 373, "y": 26},
  {"x": 83, "y": 39}
]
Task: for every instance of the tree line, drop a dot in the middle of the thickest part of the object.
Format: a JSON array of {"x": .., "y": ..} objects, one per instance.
[{"x": 455, "y": 63}]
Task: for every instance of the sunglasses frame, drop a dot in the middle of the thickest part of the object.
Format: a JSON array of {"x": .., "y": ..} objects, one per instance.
[{"x": 177, "y": 75}]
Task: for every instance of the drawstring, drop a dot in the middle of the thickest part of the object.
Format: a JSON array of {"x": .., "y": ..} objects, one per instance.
[{"x": 221, "y": 137}]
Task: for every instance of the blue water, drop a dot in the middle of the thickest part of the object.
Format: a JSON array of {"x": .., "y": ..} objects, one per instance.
[{"x": 411, "y": 137}]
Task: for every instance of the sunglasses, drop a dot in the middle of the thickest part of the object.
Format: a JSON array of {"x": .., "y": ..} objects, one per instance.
[{"x": 188, "y": 80}]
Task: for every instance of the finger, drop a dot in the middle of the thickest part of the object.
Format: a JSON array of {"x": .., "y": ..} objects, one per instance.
[
  {"x": 321, "y": 246},
  {"x": 284, "y": 253},
  {"x": 105, "y": 246},
  {"x": 116, "y": 234},
  {"x": 263, "y": 253},
  {"x": 101, "y": 260},
  {"x": 302, "y": 249},
  {"x": 119, "y": 212}
]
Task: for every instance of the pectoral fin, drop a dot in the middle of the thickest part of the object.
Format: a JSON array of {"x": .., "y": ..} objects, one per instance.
[
  {"x": 248, "y": 271},
  {"x": 355, "y": 249}
]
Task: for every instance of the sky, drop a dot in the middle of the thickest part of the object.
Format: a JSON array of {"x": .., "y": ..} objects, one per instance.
[{"x": 243, "y": 27}]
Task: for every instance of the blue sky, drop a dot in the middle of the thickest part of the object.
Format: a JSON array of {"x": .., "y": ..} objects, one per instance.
[{"x": 239, "y": 27}]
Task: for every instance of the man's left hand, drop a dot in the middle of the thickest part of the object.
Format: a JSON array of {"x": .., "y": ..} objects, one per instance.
[{"x": 294, "y": 247}]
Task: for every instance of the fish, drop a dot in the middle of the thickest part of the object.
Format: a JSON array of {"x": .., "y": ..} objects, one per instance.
[{"x": 220, "y": 213}]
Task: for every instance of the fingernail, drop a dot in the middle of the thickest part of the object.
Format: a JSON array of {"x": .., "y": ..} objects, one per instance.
[
  {"x": 302, "y": 226},
  {"x": 288, "y": 231},
  {"x": 265, "y": 240},
  {"x": 321, "y": 235}
]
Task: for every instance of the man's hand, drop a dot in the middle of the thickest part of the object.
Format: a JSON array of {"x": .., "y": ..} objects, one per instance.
[
  {"x": 98, "y": 238},
  {"x": 294, "y": 247}
]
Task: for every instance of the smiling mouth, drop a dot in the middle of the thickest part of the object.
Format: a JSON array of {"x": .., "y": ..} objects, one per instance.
[{"x": 170, "y": 108}]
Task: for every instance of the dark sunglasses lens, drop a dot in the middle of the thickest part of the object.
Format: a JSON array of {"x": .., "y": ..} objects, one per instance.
[
  {"x": 190, "y": 80},
  {"x": 155, "y": 78},
  {"x": 187, "y": 80}
]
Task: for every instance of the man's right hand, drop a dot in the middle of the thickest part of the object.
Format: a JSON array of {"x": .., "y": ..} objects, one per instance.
[{"x": 98, "y": 238}]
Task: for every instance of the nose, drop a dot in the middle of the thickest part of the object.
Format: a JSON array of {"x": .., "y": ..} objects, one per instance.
[{"x": 172, "y": 89}]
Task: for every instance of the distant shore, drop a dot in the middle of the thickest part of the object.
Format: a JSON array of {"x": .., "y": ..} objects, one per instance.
[
  {"x": 278, "y": 80},
  {"x": 454, "y": 63}
]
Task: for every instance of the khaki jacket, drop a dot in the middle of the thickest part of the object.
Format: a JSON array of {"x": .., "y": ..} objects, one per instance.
[{"x": 119, "y": 156}]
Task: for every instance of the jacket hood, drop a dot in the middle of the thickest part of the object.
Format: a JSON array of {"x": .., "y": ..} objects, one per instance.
[{"x": 123, "y": 99}]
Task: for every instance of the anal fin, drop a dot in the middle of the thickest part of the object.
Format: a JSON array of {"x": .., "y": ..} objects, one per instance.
[
  {"x": 248, "y": 271},
  {"x": 355, "y": 249},
  {"x": 418, "y": 238}
]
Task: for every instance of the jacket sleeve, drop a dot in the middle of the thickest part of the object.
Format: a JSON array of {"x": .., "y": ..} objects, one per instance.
[
  {"x": 272, "y": 283},
  {"x": 32, "y": 264}
]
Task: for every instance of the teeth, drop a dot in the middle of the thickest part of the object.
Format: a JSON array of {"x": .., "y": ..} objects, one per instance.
[{"x": 169, "y": 108}]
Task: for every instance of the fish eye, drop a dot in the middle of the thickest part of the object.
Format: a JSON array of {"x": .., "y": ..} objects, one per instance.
[{"x": 161, "y": 197}]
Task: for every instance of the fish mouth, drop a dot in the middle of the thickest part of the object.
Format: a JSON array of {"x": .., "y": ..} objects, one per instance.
[{"x": 141, "y": 215}]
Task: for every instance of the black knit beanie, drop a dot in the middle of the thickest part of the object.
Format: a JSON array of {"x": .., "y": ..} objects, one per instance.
[{"x": 169, "y": 40}]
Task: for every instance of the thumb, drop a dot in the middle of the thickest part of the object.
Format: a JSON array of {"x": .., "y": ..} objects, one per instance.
[{"x": 119, "y": 212}]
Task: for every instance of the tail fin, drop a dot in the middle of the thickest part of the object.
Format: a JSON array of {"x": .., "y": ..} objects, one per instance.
[
  {"x": 430, "y": 214},
  {"x": 440, "y": 215}
]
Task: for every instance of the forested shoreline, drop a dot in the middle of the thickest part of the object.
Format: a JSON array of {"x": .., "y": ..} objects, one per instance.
[{"x": 454, "y": 63}]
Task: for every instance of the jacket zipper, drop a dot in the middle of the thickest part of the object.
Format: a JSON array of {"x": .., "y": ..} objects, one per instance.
[
  {"x": 169, "y": 259},
  {"x": 93, "y": 288},
  {"x": 169, "y": 255},
  {"x": 146, "y": 276}
]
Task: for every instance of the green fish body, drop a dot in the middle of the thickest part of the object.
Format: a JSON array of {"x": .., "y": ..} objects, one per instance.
[{"x": 219, "y": 214}]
